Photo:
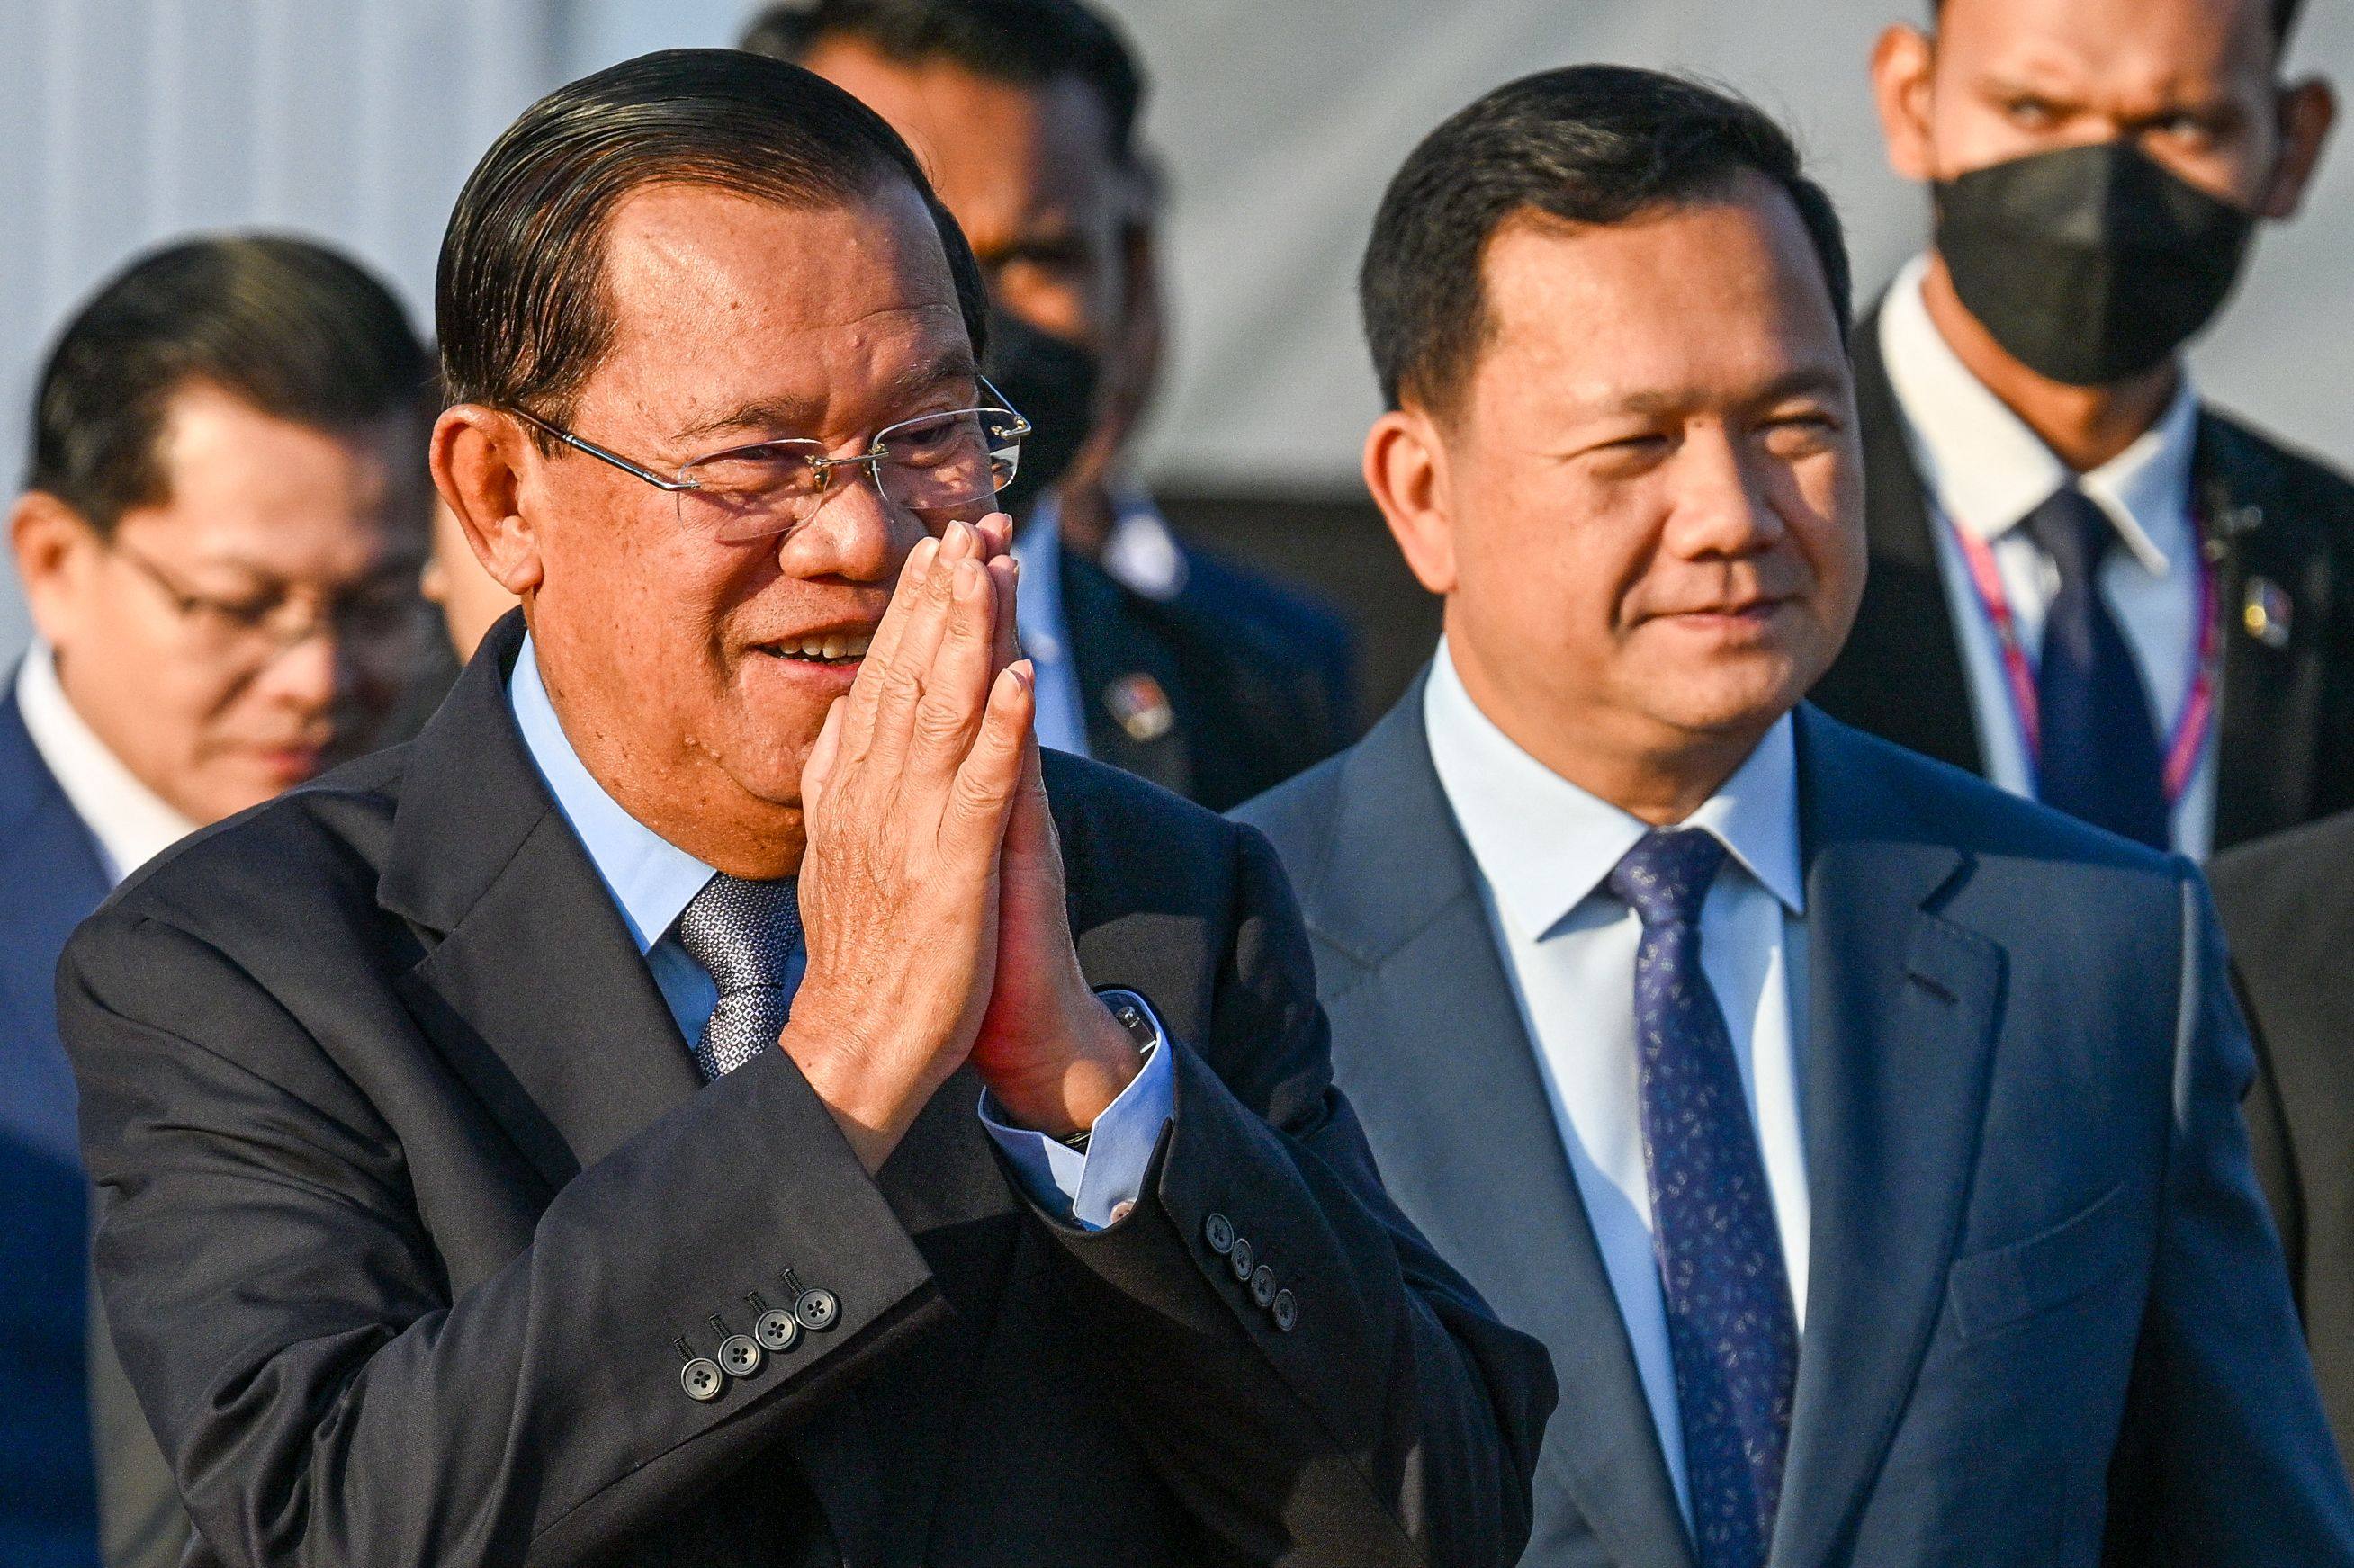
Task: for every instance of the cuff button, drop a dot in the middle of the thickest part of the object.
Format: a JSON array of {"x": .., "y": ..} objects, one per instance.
[
  {"x": 741, "y": 1356},
  {"x": 817, "y": 1309},
  {"x": 777, "y": 1329},
  {"x": 702, "y": 1379},
  {"x": 1219, "y": 1232},
  {"x": 1262, "y": 1284},
  {"x": 1241, "y": 1258},
  {"x": 1287, "y": 1312}
]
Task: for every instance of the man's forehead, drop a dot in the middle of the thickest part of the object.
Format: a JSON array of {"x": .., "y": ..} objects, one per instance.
[
  {"x": 720, "y": 298},
  {"x": 1732, "y": 280},
  {"x": 2172, "y": 43},
  {"x": 1000, "y": 153}
]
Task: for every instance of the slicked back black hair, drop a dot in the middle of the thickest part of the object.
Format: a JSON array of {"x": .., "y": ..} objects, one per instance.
[
  {"x": 1025, "y": 42},
  {"x": 1586, "y": 144},
  {"x": 521, "y": 304},
  {"x": 289, "y": 327}
]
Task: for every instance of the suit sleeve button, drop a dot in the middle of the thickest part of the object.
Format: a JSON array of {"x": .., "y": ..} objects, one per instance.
[
  {"x": 1286, "y": 1310},
  {"x": 702, "y": 1379},
  {"x": 817, "y": 1309},
  {"x": 1241, "y": 1258},
  {"x": 1219, "y": 1232},
  {"x": 741, "y": 1355},
  {"x": 777, "y": 1330},
  {"x": 1262, "y": 1284}
]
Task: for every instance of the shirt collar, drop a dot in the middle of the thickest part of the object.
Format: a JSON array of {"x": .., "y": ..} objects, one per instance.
[
  {"x": 1038, "y": 595},
  {"x": 1989, "y": 471},
  {"x": 131, "y": 823},
  {"x": 651, "y": 878},
  {"x": 1544, "y": 844}
]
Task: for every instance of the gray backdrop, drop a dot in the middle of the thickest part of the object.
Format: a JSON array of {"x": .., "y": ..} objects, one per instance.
[{"x": 1280, "y": 121}]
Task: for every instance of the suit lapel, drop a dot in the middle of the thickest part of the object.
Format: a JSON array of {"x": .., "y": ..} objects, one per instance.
[
  {"x": 539, "y": 998},
  {"x": 2267, "y": 745},
  {"x": 1899, "y": 674},
  {"x": 1899, "y": 1036},
  {"x": 535, "y": 993},
  {"x": 1130, "y": 688},
  {"x": 1467, "y": 1135}
]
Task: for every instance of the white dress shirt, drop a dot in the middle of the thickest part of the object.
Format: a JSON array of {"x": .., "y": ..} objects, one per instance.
[
  {"x": 131, "y": 823},
  {"x": 1985, "y": 470},
  {"x": 1545, "y": 848},
  {"x": 651, "y": 881}
]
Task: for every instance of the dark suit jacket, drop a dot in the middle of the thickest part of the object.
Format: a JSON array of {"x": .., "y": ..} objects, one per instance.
[
  {"x": 2287, "y": 744},
  {"x": 2041, "y": 1279},
  {"x": 1259, "y": 683},
  {"x": 414, "y": 1200},
  {"x": 59, "y": 1382},
  {"x": 2287, "y": 904}
]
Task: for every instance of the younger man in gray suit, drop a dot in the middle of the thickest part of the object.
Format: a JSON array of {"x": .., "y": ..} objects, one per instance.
[{"x": 1863, "y": 1142}]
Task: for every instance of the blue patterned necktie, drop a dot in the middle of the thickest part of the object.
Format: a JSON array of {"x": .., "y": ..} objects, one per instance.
[
  {"x": 745, "y": 934},
  {"x": 2099, "y": 758},
  {"x": 1732, "y": 1329}
]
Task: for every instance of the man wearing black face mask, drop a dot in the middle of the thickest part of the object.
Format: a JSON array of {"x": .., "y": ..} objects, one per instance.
[
  {"x": 2083, "y": 584},
  {"x": 1150, "y": 655}
]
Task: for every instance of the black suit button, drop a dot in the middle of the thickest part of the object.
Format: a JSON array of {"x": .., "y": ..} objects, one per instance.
[
  {"x": 702, "y": 1379},
  {"x": 741, "y": 1355},
  {"x": 1286, "y": 1310},
  {"x": 777, "y": 1329},
  {"x": 1241, "y": 1258},
  {"x": 1219, "y": 1232},
  {"x": 817, "y": 1309},
  {"x": 1263, "y": 1284}
]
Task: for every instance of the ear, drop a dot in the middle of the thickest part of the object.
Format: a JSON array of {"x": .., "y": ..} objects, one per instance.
[
  {"x": 1406, "y": 470},
  {"x": 1904, "y": 73},
  {"x": 56, "y": 551},
  {"x": 481, "y": 458},
  {"x": 2308, "y": 110}
]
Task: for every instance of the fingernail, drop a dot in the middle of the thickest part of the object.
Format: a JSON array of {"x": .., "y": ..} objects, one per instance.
[{"x": 969, "y": 578}]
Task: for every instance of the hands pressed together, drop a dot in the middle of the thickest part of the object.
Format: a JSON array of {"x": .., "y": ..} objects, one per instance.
[{"x": 932, "y": 889}]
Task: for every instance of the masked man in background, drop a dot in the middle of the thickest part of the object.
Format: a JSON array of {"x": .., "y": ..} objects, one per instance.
[
  {"x": 2083, "y": 584},
  {"x": 1151, "y": 655}
]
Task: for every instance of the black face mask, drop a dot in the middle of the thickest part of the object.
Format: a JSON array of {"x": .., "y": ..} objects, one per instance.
[
  {"x": 2089, "y": 265},
  {"x": 1050, "y": 382}
]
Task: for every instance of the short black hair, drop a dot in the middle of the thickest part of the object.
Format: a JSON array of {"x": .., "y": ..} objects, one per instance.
[
  {"x": 521, "y": 304},
  {"x": 2285, "y": 14},
  {"x": 1025, "y": 42},
  {"x": 1586, "y": 144},
  {"x": 295, "y": 330}
]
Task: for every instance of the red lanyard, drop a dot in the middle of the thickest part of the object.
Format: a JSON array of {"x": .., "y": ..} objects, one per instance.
[{"x": 2183, "y": 747}]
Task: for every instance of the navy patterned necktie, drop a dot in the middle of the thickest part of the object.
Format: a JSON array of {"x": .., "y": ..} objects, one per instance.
[
  {"x": 1732, "y": 1329},
  {"x": 2099, "y": 757},
  {"x": 745, "y": 934}
]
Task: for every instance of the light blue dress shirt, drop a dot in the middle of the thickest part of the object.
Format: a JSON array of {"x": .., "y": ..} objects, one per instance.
[
  {"x": 1545, "y": 849},
  {"x": 651, "y": 879}
]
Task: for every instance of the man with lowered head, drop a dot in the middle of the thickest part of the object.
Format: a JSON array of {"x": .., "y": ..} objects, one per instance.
[
  {"x": 717, "y": 1097},
  {"x": 219, "y": 538},
  {"x": 1863, "y": 1141}
]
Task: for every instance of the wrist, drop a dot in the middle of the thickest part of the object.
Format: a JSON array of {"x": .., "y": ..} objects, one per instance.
[{"x": 1102, "y": 1059}]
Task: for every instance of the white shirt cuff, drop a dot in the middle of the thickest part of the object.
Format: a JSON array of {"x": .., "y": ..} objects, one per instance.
[{"x": 1094, "y": 1187}]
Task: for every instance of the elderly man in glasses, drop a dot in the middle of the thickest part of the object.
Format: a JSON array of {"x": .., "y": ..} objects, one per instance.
[{"x": 719, "y": 1096}]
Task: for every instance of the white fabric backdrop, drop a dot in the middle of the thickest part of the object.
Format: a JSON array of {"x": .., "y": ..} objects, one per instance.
[{"x": 1281, "y": 119}]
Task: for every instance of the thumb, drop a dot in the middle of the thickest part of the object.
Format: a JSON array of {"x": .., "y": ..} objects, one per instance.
[{"x": 817, "y": 772}]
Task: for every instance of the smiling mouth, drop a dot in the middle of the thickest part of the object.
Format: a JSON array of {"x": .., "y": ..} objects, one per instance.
[{"x": 827, "y": 648}]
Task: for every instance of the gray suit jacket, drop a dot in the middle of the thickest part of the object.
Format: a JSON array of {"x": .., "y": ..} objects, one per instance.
[{"x": 2047, "y": 1318}]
